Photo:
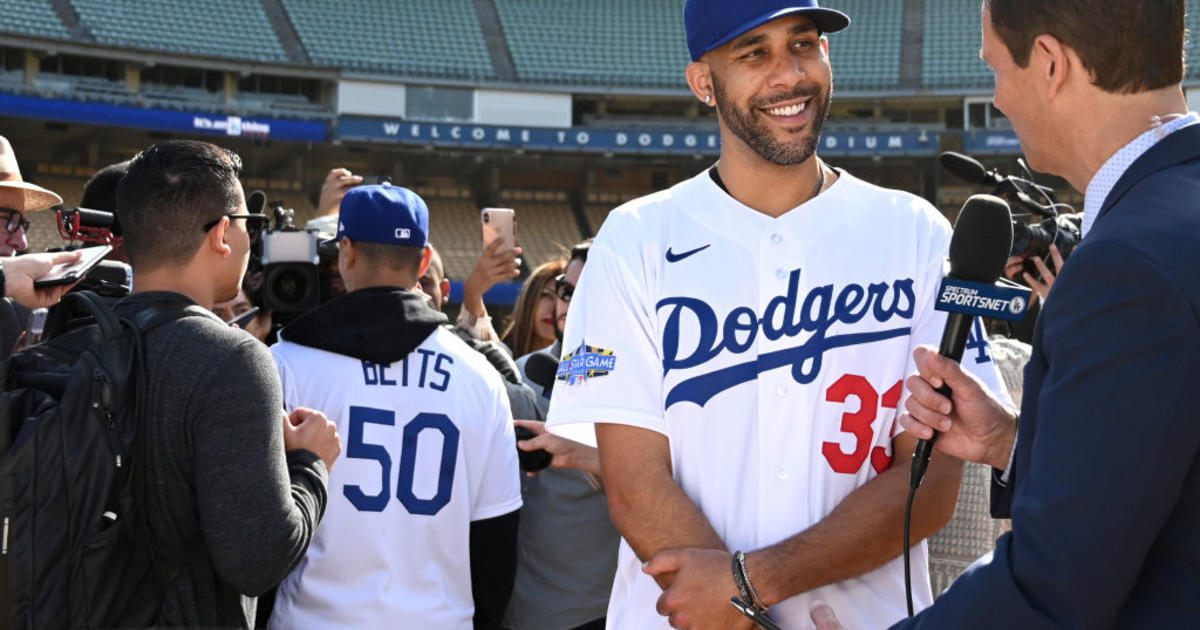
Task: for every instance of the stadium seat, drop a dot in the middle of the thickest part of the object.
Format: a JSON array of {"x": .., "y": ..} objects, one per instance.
[
  {"x": 454, "y": 230},
  {"x": 584, "y": 42},
  {"x": 436, "y": 38},
  {"x": 951, "y": 56},
  {"x": 32, "y": 17},
  {"x": 866, "y": 56},
  {"x": 545, "y": 231},
  {"x": 218, "y": 28}
]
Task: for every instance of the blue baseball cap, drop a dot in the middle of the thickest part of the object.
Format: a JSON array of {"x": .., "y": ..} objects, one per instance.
[
  {"x": 713, "y": 23},
  {"x": 384, "y": 214}
]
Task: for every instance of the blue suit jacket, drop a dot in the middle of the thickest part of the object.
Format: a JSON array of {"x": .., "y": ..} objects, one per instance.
[{"x": 1105, "y": 499}]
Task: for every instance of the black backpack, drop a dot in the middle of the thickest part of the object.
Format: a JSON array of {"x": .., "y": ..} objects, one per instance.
[{"x": 76, "y": 550}]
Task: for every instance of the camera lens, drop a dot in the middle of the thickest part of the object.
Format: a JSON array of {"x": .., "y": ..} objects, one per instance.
[{"x": 290, "y": 286}]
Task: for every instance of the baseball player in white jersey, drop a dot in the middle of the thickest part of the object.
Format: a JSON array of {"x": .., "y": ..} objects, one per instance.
[
  {"x": 420, "y": 530},
  {"x": 739, "y": 344}
]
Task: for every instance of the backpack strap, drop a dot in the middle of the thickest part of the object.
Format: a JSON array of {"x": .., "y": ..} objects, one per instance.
[
  {"x": 150, "y": 318},
  {"x": 81, "y": 304}
]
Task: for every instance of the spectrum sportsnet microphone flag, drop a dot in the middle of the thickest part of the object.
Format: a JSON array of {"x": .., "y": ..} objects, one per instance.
[{"x": 1003, "y": 300}]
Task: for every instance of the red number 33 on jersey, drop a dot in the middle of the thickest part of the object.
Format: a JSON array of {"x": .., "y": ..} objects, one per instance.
[{"x": 858, "y": 424}]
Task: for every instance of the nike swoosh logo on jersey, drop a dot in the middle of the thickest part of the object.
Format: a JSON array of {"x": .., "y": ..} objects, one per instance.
[{"x": 672, "y": 257}]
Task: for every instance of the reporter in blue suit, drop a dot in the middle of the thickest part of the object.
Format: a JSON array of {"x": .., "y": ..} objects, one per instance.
[{"x": 1103, "y": 484}]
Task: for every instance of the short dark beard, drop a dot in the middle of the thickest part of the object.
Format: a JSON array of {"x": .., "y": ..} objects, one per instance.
[{"x": 756, "y": 135}]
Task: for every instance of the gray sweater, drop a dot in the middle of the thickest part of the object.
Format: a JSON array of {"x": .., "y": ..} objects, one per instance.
[{"x": 230, "y": 513}]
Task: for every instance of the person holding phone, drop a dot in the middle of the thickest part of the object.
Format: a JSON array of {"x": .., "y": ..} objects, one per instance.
[
  {"x": 500, "y": 261},
  {"x": 18, "y": 198}
]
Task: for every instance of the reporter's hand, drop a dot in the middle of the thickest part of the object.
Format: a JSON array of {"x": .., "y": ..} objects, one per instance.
[
  {"x": 1042, "y": 287},
  {"x": 336, "y": 183},
  {"x": 823, "y": 616},
  {"x": 260, "y": 326},
  {"x": 21, "y": 271},
  {"x": 310, "y": 430},
  {"x": 974, "y": 425},
  {"x": 565, "y": 453}
]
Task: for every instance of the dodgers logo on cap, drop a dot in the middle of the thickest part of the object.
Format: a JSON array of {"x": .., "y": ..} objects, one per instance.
[
  {"x": 713, "y": 23},
  {"x": 384, "y": 214}
]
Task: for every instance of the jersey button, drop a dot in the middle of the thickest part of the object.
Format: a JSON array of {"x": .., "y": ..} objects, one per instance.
[
  {"x": 781, "y": 390},
  {"x": 782, "y": 474},
  {"x": 781, "y": 274},
  {"x": 777, "y": 238}
]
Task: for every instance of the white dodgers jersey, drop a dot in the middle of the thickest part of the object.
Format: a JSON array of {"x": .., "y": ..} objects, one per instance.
[
  {"x": 428, "y": 448},
  {"x": 772, "y": 353}
]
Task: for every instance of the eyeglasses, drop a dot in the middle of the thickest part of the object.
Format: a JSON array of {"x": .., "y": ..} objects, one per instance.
[
  {"x": 14, "y": 221},
  {"x": 563, "y": 289},
  {"x": 255, "y": 223}
]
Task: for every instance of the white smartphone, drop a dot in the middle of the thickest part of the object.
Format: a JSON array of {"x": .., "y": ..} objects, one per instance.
[
  {"x": 499, "y": 224},
  {"x": 70, "y": 273}
]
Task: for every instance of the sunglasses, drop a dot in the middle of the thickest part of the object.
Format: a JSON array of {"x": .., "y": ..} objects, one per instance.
[
  {"x": 255, "y": 223},
  {"x": 563, "y": 289},
  {"x": 14, "y": 221}
]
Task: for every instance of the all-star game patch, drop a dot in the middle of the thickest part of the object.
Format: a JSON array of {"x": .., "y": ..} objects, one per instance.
[{"x": 584, "y": 363}]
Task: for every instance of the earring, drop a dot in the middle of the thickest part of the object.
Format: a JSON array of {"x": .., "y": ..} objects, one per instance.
[{"x": 707, "y": 99}]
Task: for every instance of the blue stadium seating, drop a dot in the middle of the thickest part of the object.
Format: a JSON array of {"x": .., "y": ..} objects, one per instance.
[
  {"x": 952, "y": 39},
  {"x": 217, "y": 28},
  {"x": 589, "y": 42},
  {"x": 433, "y": 38},
  {"x": 31, "y": 17},
  {"x": 628, "y": 43},
  {"x": 867, "y": 55}
]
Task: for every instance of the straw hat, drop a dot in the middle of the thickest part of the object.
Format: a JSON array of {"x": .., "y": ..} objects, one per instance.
[{"x": 15, "y": 192}]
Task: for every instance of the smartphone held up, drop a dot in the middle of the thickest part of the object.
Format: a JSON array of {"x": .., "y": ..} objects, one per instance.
[{"x": 499, "y": 224}]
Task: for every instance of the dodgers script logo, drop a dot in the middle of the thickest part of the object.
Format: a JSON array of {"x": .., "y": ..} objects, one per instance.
[
  {"x": 584, "y": 363},
  {"x": 785, "y": 316}
]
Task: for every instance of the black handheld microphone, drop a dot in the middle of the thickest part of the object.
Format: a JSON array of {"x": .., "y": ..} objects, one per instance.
[
  {"x": 979, "y": 249},
  {"x": 541, "y": 368},
  {"x": 256, "y": 201}
]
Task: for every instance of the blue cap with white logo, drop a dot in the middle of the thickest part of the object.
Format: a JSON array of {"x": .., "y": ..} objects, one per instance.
[
  {"x": 384, "y": 214},
  {"x": 713, "y": 23}
]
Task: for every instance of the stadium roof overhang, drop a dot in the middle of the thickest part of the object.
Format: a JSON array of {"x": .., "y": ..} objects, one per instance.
[{"x": 150, "y": 58}]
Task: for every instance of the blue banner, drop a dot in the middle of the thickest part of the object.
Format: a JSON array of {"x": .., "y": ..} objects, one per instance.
[
  {"x": 991, "y": 142},
  {"x": 504, "y": 293},
  {"x": 1003, "y": 300},
  {"x": 163, "y": 120},
  {"x": 588, "y": 139}
]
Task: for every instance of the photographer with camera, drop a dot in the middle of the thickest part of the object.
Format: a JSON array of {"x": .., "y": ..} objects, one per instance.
[{"x": 430, "y": 467}]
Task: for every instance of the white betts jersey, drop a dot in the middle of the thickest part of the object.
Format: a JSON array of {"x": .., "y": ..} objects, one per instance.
[
  {"x": 771, "y": 352},
  {"x": 428, "y": 448}
]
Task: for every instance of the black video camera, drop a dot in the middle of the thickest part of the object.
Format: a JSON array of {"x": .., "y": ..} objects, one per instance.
[
  {"x": 1034, "y": 239},
  {"x": 289, "y": 261},
  {"x": 1030, "y": 239}
]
